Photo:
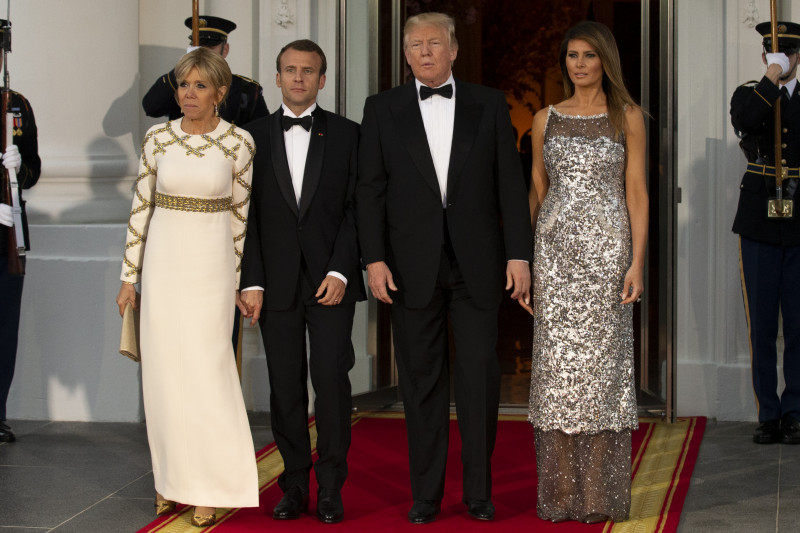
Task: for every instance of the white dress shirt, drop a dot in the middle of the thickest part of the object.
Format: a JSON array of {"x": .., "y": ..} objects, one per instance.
[
  {"x": 438, "y": 116},
  {"x": 789, "y": 86},
  {"x": 296, "y": 140}
]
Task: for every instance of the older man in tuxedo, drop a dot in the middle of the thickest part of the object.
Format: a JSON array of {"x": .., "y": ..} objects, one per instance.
[
  {"x": 302, "y": 272},
  {"x": 444, "y": 225}
]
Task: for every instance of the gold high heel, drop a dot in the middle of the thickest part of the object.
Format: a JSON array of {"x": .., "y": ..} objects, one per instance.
[
  {"x": 163, "y": 506},
  {"x": 203, "y": 521}
]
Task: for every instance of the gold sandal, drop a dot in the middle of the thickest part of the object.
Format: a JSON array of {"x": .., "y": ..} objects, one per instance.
[
  {"x": 203, "y": 521},
  {"x": 163, "y": 506}
]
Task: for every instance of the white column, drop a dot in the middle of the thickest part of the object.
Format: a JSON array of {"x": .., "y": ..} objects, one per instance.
[{"x": 81, "y": 77}]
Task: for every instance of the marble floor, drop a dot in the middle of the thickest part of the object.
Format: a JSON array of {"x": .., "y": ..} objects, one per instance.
[{"x": 57, "y": 478}]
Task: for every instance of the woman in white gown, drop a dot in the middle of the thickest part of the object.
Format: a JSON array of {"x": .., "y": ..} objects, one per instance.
[{"x": 184, "y": 245}]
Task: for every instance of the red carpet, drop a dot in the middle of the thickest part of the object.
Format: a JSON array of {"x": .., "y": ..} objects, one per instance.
[{"x": 377, "y": 495}]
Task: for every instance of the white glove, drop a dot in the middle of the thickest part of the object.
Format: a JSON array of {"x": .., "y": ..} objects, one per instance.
[
  {"x": 779, "y": 58},
  {"x": 12, "y": 159},
  {"x": 193, "y": 48},
  {"x": 6, "y": 218}
]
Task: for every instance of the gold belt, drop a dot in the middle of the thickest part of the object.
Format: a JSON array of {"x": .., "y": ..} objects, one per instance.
[{"x": 195, "y": 205}]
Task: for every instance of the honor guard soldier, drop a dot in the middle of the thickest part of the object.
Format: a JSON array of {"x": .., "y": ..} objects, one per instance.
[
  {"x": 22, "y": 156},
  {"x": 245, "y": 101},
  {"x": 769, "y": 231}
]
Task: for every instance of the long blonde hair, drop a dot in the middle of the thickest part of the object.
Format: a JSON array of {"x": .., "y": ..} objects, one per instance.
[{"x": 600, "y": 38}]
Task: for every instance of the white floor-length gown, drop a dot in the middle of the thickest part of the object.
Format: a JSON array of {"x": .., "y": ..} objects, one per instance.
[{"x": 184, "y": 244}]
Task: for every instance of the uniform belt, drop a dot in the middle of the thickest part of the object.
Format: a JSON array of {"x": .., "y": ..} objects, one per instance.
[{"x": 766, "y": 170}]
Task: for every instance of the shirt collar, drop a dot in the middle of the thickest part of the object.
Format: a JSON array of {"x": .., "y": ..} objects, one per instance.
[
  {"x": 450, "y": 80},
  {"x": 288, "y": 112}
]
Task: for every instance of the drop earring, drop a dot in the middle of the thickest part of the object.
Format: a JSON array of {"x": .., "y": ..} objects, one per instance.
[{"x": 216, "y": 110}]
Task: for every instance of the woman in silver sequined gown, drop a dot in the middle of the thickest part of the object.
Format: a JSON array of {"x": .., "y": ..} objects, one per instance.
[{"x": 589, "y": 200}]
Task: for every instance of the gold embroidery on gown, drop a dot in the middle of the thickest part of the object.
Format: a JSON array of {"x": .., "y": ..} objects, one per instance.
[{"x": 582, "y": 398}]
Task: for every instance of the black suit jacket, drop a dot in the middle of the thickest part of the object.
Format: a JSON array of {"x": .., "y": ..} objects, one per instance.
[
  {"x": 752, "y": 116},
  {"x": 321, "y": 230},
  {"x": 399, "y": 203}
]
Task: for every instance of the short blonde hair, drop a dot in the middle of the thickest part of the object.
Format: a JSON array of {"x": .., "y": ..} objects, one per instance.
[
  {"x": 210, "y": 65},
  {"x": 442, "y": 20}
]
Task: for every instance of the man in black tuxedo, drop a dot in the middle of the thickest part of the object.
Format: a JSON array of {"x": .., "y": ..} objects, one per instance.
[
  {"x": 442, "y": 215},
  {"x": 770, "y": 245},
  {"x": 301, "y": 258}
]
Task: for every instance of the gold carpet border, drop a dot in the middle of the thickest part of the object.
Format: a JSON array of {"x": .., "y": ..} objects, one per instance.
[
  {"x": 658, "y": 464},
  {"x": 658, "y": 475}
]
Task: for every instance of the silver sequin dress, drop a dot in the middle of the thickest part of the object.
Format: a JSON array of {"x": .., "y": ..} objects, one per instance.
[{"x": 582, "y": 399}]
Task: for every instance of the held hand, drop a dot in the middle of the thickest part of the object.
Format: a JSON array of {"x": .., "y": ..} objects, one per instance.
[
  {"x": 634, "y": 285},
  {"x": 239, "y": 303},
  {"x": 127, "y": 293},
  {"x": 333, "y": 289},
  {"x": 6, "y": 215},
  {"x": 252, "y": 302},
  {"x": 11, "y": 158},
  {"x": 379, "y": 278},
  {"x": 518, "y": 277}
]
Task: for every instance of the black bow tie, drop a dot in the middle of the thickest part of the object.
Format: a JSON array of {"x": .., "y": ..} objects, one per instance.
[
  {"x": 426, "y": 92},
  {"x": 305, "y": 121}
]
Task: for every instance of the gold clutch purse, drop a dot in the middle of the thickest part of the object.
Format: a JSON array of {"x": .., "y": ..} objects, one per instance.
[{"x": 129, "y": 339}]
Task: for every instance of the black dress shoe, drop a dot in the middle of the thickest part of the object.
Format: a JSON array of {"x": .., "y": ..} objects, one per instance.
[
  {"x": 329, "y": 506},
  {"x": 424, "y": 511},
  {"x": 294, "y": 502},
  {"x": 6, "y": 435},
  {"x": 790, "y": 430},
  {"x": 768, "y": 432},
  {"x": 481, "y": 509}
]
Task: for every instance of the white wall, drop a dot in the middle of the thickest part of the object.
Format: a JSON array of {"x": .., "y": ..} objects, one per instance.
[
  {"x": 712, "y": 345},
  {"x": 85, "y": 81}
]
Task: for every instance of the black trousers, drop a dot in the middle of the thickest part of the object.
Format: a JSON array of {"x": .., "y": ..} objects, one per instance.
[
  {"x": 771, "y": 285},
  {"x": 10, "y": 303},
  {"x": 422, "y": 354},
  {"x": 330, "y": 358}
]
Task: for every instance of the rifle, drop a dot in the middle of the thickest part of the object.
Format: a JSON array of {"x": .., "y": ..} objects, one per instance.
[
  {"x": 8, "y": 177},
  {"x": 778, "y": 207}
]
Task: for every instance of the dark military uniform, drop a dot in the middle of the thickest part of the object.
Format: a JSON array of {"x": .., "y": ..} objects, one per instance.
[
  {"x": 244, "y": 103},
  {"x": 769, "y": 250},
  {"x": 24, "y": 135},
  {"x": 245, "y": 100}
]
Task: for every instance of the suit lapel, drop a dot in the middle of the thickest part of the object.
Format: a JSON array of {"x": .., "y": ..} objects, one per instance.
[
  {"x": 465, "y": 128},
  {"x": 408, "y": 118},
  {"x": 316, "y": 153},
  {"x": 280, "y": 165}
]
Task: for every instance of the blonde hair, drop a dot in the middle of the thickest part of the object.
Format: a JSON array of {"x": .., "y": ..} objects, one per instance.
[
  {"x": 442, "y": 20},
  {"x": 600, "y": 38},
  {"x": 210, "y": 65}
]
